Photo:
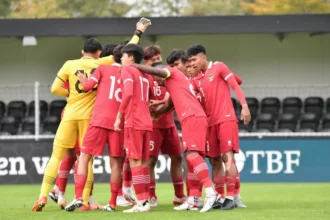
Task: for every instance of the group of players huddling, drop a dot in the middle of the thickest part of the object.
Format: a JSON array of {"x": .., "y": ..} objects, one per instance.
[{"x": 114, "y": 100}]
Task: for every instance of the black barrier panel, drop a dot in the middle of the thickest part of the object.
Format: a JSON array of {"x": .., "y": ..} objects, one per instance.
[{"x": 24, "y": 162}]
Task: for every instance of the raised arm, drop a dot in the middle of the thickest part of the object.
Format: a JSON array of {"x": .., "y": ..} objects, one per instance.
[{"x": 163, "y": 73}]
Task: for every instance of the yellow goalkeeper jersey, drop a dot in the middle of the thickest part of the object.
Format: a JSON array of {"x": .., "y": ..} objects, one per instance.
[{"x": 80, "y": 103}]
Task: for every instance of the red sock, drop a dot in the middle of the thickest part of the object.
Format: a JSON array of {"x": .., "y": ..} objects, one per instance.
[
  {"x": 178, "y": 187},
  {"x": 193, "y": 182},
  {"x": 92, "y": 187},
  {"x": 237, "y": 183},
  {"x": 219, "y": 185},
  {"x": 139, "y": 185},
  {"x": 127, "y": 174},
  {"x": 120, "y": 192},
  {"x": 115, "y": 188},
  {"x": 152, "y": 188},
  {"x": 200, "y": 168},
  {"x": 147, "y": 182},
  {"x": 64, "y": 171},
  {"x": 230, "y": 185},
  {"x": 80, "y": 182}
]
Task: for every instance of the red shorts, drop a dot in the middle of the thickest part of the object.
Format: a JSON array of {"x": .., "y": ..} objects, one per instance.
[
  {"x": 137, "y": 144},
  {"x": 95, "y": 139},
  {"x": 194, "y": 134},
  {"x": 222, "y": 138},
  {"x": 166, "y": 141}
]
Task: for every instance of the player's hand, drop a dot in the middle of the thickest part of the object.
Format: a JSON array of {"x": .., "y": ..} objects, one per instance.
[
  {"x": 155, "y": 102},
  {"x": 81, "y": 77},
  {"x": 143, "y": 24},
  {"x": 116, "y": 125},
  {"x": 245, "y": 114}
]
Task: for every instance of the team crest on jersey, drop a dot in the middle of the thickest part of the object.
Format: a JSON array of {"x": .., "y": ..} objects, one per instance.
[{"x": 211, "y": 77}]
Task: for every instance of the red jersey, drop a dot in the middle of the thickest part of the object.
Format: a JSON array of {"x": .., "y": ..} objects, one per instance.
[
  {"x": 165, "y": 120},
  {"x": 135, "y": 103},
  {"x": 183, "y": 95},
  {"x": 216, "y": 92},
  {"x": 108, "y": 95}
]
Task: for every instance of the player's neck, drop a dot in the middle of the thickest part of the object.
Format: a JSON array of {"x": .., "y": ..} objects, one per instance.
[
  {"x": 89, "y": 55},
  {"x": 206, "y": 66}
]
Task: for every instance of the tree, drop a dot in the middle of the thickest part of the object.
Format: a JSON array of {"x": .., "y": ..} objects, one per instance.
[
  {"x": 286, "y": 7},
  {"x": 158, "y": 8},
  {"x": 213, "y": 7},
  {"x": 93, "y": 8},
  {"x": 4, "y": 8},
  {"x": 68, "y": 8}
]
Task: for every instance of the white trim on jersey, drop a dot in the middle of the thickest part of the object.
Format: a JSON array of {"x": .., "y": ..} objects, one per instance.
[
  {"x": 126, "y": 80},
  {"x": 229, "y": 75},
  {"x": 116, "y": 64},
  {"x": 93, "y": 78}
]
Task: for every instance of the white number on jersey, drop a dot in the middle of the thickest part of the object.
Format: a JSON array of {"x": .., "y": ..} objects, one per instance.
[
  {"x": 192, "y": 90},
  {"x": 114, "y": 93},
  {"x": 144, "y": 94},
  {"x": 157, "y": 91}
]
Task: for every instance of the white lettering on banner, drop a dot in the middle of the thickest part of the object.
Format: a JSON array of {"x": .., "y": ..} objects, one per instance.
[
  {"x": 3, "y": 166},
  {"x": 276, "y": 161},
  {"x": 97, "y": 165},
  {"x": 13, "y": 161},
  {"x": 160, "y": 167},
  {"x": 255, "y": 162},
  {"x": 271, "y": 160},
  {"x": 15, "y": 165},
  {"x": 107, "y": 164},
  {"x": 290, "y": 161},
  {"x": 240, "y": 160},
  {"x": 40, "y": 167}
]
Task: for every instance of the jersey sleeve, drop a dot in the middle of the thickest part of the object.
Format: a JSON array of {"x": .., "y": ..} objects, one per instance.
[
  {"x": 63, "y": 73},
  {"x": 96, "y": 76},
  {"x": 127, "y": 78},
  {"x": 108, "y": 60},
  {"x": 224, "y": 71}
]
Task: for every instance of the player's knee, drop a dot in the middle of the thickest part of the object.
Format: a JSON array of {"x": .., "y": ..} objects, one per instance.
[
  {"x": 176, "y": 160},
  {"x": 152, "y": 162},
  {"x": 216, "y": 162},
  {"x": 116, "y": 163},
  {"x": 84, "y": 158}
]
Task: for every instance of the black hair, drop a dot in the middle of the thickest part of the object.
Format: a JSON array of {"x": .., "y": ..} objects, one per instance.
[
  {"x": 125, "y": 42},
  {"x": 158, "y": 64},
  {"x": 108, "y": 50},
  {"x": 196, "y": 49},
  {"x": 134, "y": 50},
  {"x": 92, "y": 45},
  {"x": 175, "y": 55},
  {"x": 117, "y": 54}
]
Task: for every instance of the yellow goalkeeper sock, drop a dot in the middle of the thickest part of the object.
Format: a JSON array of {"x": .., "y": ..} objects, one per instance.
[
  {"x": 52, "y": 170},
  {"x": 89, "y": 183}
]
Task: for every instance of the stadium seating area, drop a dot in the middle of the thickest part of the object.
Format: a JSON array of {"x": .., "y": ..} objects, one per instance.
[
  {"x": 18, "y": 117},
  {"x": 268, "y": 115}
]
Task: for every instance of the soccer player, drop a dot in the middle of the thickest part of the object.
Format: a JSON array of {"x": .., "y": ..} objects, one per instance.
[
  {"x": 192, "y": 119},
  {"x": 57, "y": 194},
  {"x": 138, "y": 124},
  {"x": 77, "y": 111},
  {"x": 100, "y": 130},
  {"x": 214, "y": 83},
  {"x": 178, "y": 59},
  {"x": 164, "y": 137}
]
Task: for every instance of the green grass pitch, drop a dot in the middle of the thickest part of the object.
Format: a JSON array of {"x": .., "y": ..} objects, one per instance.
[{"x": 264, "y": 201}]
